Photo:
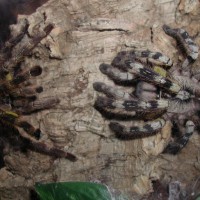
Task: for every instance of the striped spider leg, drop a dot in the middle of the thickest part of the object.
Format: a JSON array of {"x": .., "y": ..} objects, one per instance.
[
  {"x": 185, "y": 43},
  {"x": 19, "y": 97},
  {"x": 178, "y": 100}
]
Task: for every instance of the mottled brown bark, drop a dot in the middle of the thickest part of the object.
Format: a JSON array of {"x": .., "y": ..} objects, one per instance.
[{"x": 86, "y": 34}]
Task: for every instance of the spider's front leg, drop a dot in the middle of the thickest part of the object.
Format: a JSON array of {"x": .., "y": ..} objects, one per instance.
[
  {"x": 147, "y": 74},
  {"x": 123, "y": 103},
  {"x": 144, "y": 103}
]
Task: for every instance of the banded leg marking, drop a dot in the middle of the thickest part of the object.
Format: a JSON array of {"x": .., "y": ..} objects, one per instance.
[
  {"x": 115, "y": 74},
  {"x": 111, "y": 92},
  {"x": 185, "y": 42},
  {"x": 146, "y": 91},
  {"x": 134, "y": 132},
  {"x": 130, "y": 106},
  {"x": 175, "y": 147},
  {"x": 26, "y": 49},
  {"x": 156, "y": 57},
  {"x": 149, "y": 75}
]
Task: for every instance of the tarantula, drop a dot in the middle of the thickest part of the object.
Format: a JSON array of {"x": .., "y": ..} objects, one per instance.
[
  {"x": 159, "y": 95},
  {"x": 19, "y": 97}
]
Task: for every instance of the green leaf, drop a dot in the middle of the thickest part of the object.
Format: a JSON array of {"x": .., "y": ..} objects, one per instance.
[
  {"x": 198, "y": 198},
  {"x": 72, "y": 191}
]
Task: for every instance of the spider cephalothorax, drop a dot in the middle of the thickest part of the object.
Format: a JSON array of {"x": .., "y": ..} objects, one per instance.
[
  {"x": 159, "y": 95},
  {"x": 19, "y": 97}
]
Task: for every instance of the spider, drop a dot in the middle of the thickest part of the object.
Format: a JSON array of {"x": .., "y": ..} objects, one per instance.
[
  {"x": 19, "y": 97},
  {"x": 163, "y": 91}
]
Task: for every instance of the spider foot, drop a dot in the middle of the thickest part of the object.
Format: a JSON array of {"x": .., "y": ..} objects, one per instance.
[
  {"x": 27, "y": 92},
  {"x": 112, "y": 92},
  {"x": 40, "y": 104},
  {"x": 116, "y": 75},
  {"x": 26, "y": 75}
]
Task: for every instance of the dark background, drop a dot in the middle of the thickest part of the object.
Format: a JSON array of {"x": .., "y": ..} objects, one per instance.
[{"x": 10, "y": 9}]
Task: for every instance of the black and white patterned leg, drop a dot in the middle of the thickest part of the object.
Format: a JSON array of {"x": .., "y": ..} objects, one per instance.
[
  {"x": 134, "y": 132},
  {"x": 115, "y": 74},
  {"x": 155, "y": 57},
  {"x": 185, "y": 42},
  {"x": 146, "y": 91},
  {"x": 130, "y": 106},
  {"x": 151, "y": 76},
  {"x": 180, "y": 143},
  {"x": 112, "y": 92}
]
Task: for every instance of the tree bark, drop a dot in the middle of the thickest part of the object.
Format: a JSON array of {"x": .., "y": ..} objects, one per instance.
[{"x": 86, "y": 34}]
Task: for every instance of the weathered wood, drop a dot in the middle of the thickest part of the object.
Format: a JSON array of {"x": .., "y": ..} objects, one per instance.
[{"x": 86, "y": 34}]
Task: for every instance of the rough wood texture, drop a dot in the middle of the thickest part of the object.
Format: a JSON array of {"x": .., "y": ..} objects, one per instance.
[{"x": 86, "y": 34}]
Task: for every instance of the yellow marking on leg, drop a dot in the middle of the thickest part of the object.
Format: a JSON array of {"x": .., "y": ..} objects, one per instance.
[
  {"x": 9, "y": 77},
  {"x": 160, "y": 70},
  {"x": 13, "y": 114}
]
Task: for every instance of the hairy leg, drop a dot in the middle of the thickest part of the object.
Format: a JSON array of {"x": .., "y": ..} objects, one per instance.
[
  {"x": 180, "y": 143},
  {"x": 25, "y": 50},
  {"x": 134, "y": 132},
  {"x": 185, "y": 42}
]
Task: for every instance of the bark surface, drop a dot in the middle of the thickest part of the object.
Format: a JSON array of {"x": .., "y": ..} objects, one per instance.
[{"x": 86, "y": 34}]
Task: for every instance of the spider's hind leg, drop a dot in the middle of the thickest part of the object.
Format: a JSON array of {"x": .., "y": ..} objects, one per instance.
[
  {"x": 134, "y": 132},
  {"x": 180, "y": 143},
  {"x": 45, "y": 148},
  {"x": 185, "y": 42}
]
